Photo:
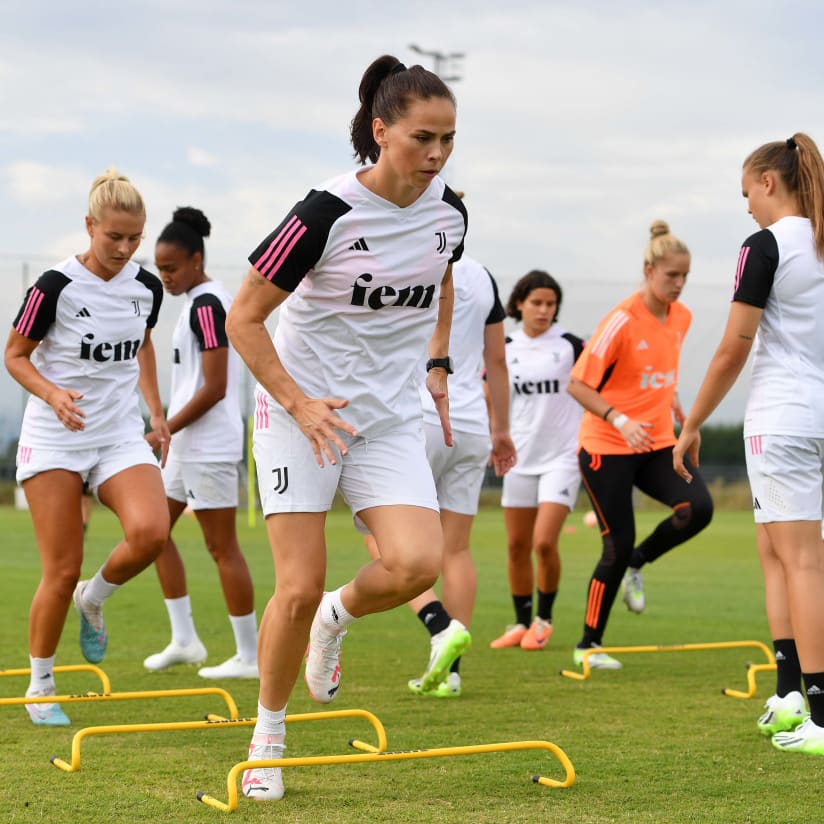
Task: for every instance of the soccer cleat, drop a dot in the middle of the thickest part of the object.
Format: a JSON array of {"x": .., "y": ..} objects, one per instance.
[
  {"x": 264, "y": 783},
  {"x": 597, "y": 660},
  {"x": 234, "y": 667},
  {"x": 175, "y": 653},
  {"x": 322, "y": 672},
  {"x": 632, "y": 588},
  {"x": 450, "y": 687},
  {"x": 46, "y": 715},
  {"x": 806, "y": 737},
  {"x": 511, "y": 638},
  {"x": 537, "y": 636},
  {"x": 446, "y": 647},
  {"x": 93, "y": 636},
  {"x": 783, "y": 714}
]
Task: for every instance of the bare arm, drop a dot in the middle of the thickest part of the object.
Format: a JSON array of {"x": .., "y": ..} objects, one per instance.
[
  {"x": 439, "y": 348},
  {"x": 245, "y": 326},
  {"x": 18, "y": 354},
  {"x": 147, "y": 381},
  {"x": 503, "y": 455},
  {"x": 723, "y": 371}
]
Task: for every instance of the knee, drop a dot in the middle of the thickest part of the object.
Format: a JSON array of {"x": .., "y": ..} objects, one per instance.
[
  {"x": 148, "y": 539},
  {"x": 298, "y": 605},
  {"x": 546, "y": 550},
  {"x": 519, "y": 551},
  {"x": 694, "y": 515},
  {"x": 417, "y": 572},
  {"x": 62, "y": 580}
]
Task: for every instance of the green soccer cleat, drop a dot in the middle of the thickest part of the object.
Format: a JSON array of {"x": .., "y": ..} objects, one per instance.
[
  {"x": 806, "y": 737},
  {"x": 783, "y": 714}
]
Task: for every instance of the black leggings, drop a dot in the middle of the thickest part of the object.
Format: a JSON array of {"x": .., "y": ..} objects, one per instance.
[{"x": 609, "y": 481}]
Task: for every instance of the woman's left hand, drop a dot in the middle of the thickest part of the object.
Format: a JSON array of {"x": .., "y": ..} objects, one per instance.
[
  {"x": 436, "y": 384},
  {"x": 159, "y": 437}
]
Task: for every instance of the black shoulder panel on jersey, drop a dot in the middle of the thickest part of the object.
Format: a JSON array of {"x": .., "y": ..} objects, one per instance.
[
  {"x": 607, "y": 375},
  {"x": 757, "y": 264},
  {"x": 576, "y": 343},
  {"x": 207, "y": 320},
  {"x": 295, "y": 246},
  {"x": 453, "y": 200},
  {"x": 39, "y": 307},
  {"x": 497, "y": 314},
  {"x": 153, "y": 284}
]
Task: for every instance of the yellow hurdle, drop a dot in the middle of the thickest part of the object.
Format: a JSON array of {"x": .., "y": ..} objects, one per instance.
[
  {"x": 124, "y": 696},
  {"x": 752, "y": 669},
  {"x": 382, "y": 757},
  {"x": 217, "y": 722},
  {"x": 105, "y": 684}
]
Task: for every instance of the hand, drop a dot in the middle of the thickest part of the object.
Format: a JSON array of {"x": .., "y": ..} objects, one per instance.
[
  {"x": 504, "y": 455},
  {"x": 159, "y": 437},
  {"x": 436, "y": 384},
  {"x": 318, "y": 422},
  {"x": 689, "y": 442},
  {"x": 636, "y": 435},
  {"x": 62, "y": 401}
]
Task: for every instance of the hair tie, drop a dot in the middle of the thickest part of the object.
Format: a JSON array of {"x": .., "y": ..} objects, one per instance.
[
  {"x": 791, "y": 144},
  {"x": 398, "y": 69}
]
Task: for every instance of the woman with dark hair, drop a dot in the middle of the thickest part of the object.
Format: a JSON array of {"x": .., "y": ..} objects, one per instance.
[
  {"x": 202, "y": 469},
  {"x": 626, "y": 381},
  {"x": 779, "y": 293},
  {"x": 361, "y": 271},
  {"x": 540, "y": 490}
]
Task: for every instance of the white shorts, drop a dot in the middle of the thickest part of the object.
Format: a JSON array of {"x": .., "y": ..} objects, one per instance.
[
  {"x": 786, "y": 474},
  {"x": 458, "y": 470},
  {"x": 558, "y": 485},
  {"x": 388, "y": 470},
  {"x": 201, "y": 485},
  {"x": 95, "y": 466}
]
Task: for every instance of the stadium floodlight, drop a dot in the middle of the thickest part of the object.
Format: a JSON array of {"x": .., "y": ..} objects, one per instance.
[{"x": 443, "y": 62}]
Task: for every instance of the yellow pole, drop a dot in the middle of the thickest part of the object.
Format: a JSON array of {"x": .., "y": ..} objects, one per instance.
[{"x": 105, "y": 684}]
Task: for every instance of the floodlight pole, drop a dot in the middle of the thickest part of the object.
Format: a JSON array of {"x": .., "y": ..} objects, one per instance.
[{"x": 441, "y": 61}]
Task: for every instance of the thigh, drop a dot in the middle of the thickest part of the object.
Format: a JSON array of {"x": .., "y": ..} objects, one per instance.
[
  {"x": 219, "y": 528},
  {"x": 520, "y": 525},
  {"x": 405, "y": 534},
  {"x": 656, "y": 477},
  {"x": 298, "y": 545},
  {"x": 112, "y": 460},
  {"x": 136, "y": 495},
  {"x": 608, "y": 480},
  {"x": 548, "y": 524}
]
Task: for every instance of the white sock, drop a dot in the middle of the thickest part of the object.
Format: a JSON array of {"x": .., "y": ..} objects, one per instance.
[
  {"x": 98, "y": 589},
  {"x": 333, "y": 613},
  {"x": 180, "y": 617},
  {"x": 245, "y": 629},
  {"x": 270, "y": 722},
  {"x": 42, "y": 675}
]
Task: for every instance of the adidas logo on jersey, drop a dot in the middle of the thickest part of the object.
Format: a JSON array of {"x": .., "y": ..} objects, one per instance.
[
  {"x": 418, "y": 297},
  {"x": 642, "y": 345},
  {"x": 83, "y": 313},
  {"x": 359, "y": 246}
]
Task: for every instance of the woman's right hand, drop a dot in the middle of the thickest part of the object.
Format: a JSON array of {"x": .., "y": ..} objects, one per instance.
[
  {"x": 62, "y": 401},
  {"x": 318, "y": 422},
  {"x": 637, "y": 436}
]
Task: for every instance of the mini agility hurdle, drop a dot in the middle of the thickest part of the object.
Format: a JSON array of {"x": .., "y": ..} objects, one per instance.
[
  {"x": 382, "y": 757},
  {"x": 218, "y": 722},
  {"x": 105, "y": 684},
  {"x": 752, "y": 669}
]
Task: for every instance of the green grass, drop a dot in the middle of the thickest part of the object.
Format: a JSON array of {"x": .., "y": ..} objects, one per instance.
[{"x": 656, "y": 742}]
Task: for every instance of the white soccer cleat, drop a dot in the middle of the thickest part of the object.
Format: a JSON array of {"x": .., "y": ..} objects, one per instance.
[
  {"x": 782, "y": 714},
  {"x": 597, "y": 660},
  {"x": 322, "y": 672},
  {"x": 632, "y": 588},
  {"x": 234, "y": 667},
  {"x": 174, "y": 654},
  {"x": 264, "y": 783}
]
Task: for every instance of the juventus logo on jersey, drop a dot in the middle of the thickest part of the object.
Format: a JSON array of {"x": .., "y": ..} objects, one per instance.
[
  {"x": 281, "y": 479},
  {"x": 176, "y": 357},
  {"x": 359, "y": 246},
  {"x": 440, "y": 245},
  {"x": 136, "y": 307}
]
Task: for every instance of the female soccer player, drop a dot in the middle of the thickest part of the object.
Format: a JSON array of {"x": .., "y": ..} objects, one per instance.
[
  {"x": 201, "y": 472},
  {"x": 539, "y": 492},
  {"x": 81, "y": 345},
  {"x": 361, "y": 271},
  {"x": 626, "y": 381},
  {"x": 779, "y": 293}
]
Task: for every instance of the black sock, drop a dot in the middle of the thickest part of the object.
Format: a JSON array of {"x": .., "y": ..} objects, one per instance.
[
  {"x": 788, "y": 670},
  {"x": 545, "y": 602},
  {"x": 434, "y": 617},
  {"x": 814, "y": 682},
  {"x": 456, "y": 666},
  {"x": 523, "y": 609}
]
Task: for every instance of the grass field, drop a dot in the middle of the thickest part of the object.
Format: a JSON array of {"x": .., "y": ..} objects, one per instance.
[{"x": 655, "y": 742}]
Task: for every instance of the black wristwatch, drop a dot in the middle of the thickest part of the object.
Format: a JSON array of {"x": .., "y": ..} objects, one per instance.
[{"x": 442, "y": 363}]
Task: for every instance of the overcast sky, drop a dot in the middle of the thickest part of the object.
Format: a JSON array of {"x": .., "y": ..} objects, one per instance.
[{"x": 579, "y": 123}]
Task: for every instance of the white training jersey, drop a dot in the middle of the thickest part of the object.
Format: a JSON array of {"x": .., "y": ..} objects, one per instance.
[
  {"x": 365, "y": 278},
  {"x": 779, "y": 271},
  {"x": 543, "y": 418},
  {"x": 216, "y": 436},
  {"x": 476, "y": 305},
  {"x": 90, "y": 331}
]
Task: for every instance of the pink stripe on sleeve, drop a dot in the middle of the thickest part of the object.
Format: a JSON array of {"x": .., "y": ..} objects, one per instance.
[
  {"x": 206, "y": 318},
  {"x": 277, "y": 243},
  {"x": 742, "y": 262},
  {"x": 27, "y": 319}
]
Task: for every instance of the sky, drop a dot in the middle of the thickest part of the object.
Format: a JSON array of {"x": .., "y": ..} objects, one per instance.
[{"x": 579, "y": 124}]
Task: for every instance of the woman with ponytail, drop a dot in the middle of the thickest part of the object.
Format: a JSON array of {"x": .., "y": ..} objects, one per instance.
[
  {"x": 779, "y": 294},
  {"x": 361, "y": 271}
]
